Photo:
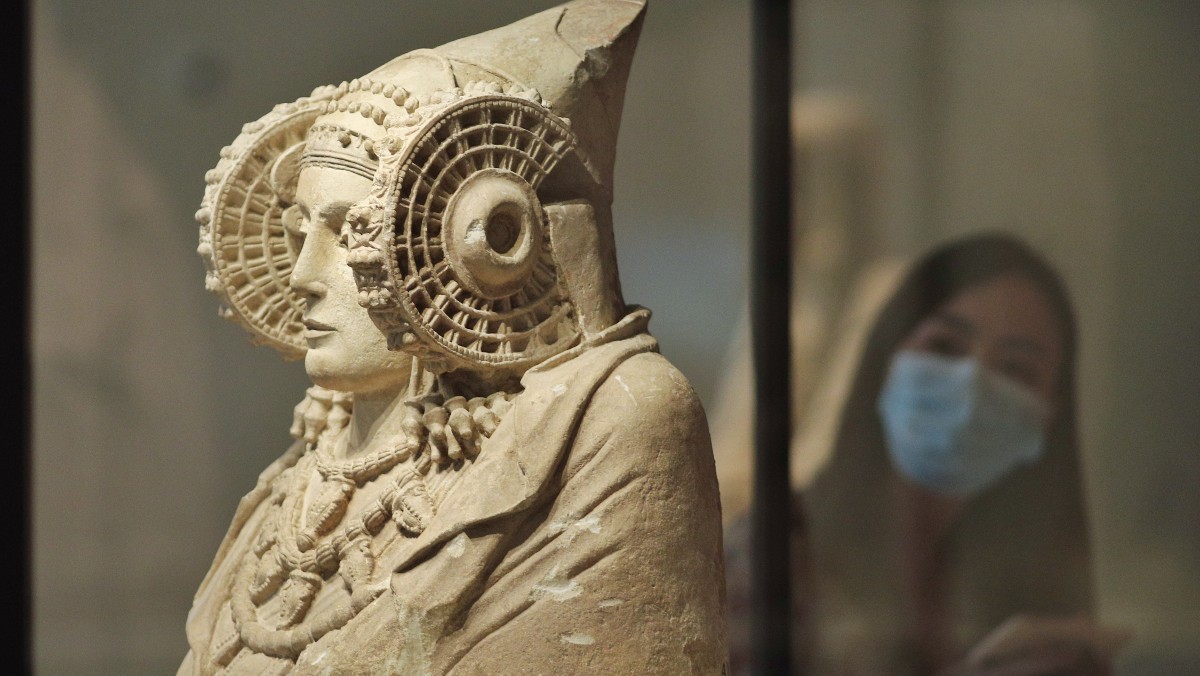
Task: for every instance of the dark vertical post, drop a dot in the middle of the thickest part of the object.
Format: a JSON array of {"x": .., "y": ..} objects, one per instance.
[
  {"x": 771, "y": 304},
  {"x": 15, "y": 503}
]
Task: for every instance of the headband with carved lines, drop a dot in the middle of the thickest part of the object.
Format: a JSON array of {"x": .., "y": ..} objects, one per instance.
[{"x": 333, "y": 146}]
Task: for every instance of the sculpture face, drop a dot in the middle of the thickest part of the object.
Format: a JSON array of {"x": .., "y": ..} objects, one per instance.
[{"x": 346, "y": 351}]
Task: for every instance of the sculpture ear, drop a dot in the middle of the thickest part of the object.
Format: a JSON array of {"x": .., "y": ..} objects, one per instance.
[
  {"x": 454, "y": 257},
  {"x": 584, "y": 253},
  {"x": 492, "y": 233},
  {"x": 285, "y": 172}
]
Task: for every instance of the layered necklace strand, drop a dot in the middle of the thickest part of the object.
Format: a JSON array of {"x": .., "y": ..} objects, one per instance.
[{"x": 295, "y": 552}]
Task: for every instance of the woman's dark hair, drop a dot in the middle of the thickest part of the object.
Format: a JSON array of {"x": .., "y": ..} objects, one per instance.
[{"x": 1025, "y": 537}]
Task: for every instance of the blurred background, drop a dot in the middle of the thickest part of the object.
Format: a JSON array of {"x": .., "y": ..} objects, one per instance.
[{"x": 1074, "y": 124}]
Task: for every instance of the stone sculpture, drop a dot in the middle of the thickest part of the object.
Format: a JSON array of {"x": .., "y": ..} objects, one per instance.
[{"x": 495, "y": 471}]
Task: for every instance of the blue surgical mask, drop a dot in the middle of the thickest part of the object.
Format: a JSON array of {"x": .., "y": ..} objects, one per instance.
[{"x": 953, "y": 426}]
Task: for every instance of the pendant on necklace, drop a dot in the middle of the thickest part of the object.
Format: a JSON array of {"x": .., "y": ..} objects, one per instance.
[
  {"x": 328, "y": 508},
  {"x": 268, "y": 578},
  {"x": 358, "y": 563},
  {"x": 410, "y": 506},
  {"x": 296, "y": 597}
]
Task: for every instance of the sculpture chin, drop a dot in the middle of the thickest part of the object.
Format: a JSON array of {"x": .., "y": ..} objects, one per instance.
[{"x": 350, "y": 371}]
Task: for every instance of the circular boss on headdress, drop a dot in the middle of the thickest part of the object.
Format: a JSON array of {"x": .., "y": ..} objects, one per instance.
[
  {"x": 244, "y": 240},
  {"x": 470, "y": 263}
]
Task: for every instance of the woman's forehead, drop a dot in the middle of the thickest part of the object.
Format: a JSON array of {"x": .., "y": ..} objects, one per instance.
[{"x": 1010, "y": 310}]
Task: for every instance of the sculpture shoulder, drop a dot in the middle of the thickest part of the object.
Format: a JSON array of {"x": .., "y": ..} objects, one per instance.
[
  {"x": 631, "y": 537},
  {"x": 645, "y": 415},
  {"x": 646, "y": 389}
]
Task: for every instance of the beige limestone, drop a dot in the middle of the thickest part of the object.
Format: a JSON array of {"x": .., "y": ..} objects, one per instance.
[{"x": 495, "y": 471}]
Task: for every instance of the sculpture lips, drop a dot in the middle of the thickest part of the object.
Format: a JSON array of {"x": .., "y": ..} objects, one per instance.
[{"x": 315, "y": 329}]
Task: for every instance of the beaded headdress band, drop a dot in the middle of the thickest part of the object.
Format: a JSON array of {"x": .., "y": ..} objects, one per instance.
[{"x": 333, "y": 147}]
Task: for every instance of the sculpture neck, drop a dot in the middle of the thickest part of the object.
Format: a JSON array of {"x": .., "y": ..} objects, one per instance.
[
  {"x": 375, "y": 420},
  {"x": 377, "y": 417}
]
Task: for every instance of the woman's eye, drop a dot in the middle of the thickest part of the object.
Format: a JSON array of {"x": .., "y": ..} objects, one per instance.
[
  {"x": 949, "y": 346},
  {"x": 1021, "y": 372}
]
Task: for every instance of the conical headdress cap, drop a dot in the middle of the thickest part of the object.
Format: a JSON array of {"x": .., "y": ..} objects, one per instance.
[{"x": 577, "y": 56}]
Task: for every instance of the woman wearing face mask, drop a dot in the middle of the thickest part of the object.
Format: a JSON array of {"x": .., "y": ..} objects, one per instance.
[{"x": 951, "y": 502}]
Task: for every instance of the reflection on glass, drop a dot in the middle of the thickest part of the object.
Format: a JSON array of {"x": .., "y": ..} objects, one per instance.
[{"x": 946, "y": 532}]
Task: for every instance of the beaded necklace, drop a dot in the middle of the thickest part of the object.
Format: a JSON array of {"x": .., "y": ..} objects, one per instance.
[{"x": 299, "y": 549}]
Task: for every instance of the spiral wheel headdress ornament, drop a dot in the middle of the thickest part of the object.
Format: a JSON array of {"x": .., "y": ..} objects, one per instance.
[
  {"x": 244, "y": 240},
  {"x": 451, "y": 251}
]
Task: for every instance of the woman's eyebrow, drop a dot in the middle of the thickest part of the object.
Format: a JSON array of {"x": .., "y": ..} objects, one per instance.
[
  {"x": 954, "y": 322},
  {"x": 1024, "y": 344}
]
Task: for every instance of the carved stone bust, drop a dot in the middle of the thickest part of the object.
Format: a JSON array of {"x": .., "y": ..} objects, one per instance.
[{"x": 495, "y": 471}]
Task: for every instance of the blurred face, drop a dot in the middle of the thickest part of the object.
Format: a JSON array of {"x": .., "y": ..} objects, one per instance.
[
  {"x": 1006, "y": 324},
  {"x": 346, "y": 351}
]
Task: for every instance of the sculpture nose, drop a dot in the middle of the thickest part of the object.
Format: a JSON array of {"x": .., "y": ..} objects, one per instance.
[{"x": 305, "y": 279}]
